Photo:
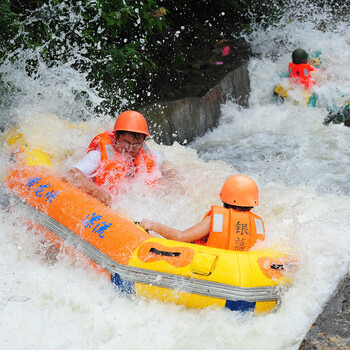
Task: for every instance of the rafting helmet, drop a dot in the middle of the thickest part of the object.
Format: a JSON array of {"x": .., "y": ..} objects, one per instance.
[
  {"x": 299, "y": 56},
  {"x": 240, "y": 190},
  {"x": 131, "y": 121}
]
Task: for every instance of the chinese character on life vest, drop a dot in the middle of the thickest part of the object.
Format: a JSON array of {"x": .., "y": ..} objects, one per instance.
[
  {"x": 239, "y": 244},
  {"x": 241, "y": 228}
]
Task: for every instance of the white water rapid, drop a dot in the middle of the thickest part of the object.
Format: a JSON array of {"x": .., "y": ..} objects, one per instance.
[{"x": 302, "y": 169}]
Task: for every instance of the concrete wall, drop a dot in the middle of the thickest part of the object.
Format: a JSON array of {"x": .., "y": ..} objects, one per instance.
[
  {"x": 331, "y": 330},
  {"x": 184, "y": 119}
]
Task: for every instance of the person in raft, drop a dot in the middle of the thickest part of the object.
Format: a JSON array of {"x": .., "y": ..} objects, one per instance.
[
  {"x": 116, "y": 156},
  {"x": 232, "y": 227},
  {"x": 301, "y": 72}
]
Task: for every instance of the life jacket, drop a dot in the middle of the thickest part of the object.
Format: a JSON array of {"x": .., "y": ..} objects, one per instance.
[
  {"x": 300, "y": 74},
  {"x": 115, "y": 168},
  {"x": 233, "y": 230}
]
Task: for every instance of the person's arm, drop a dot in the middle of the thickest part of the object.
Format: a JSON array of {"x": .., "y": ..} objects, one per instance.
[
  {"x": 78, "y": 179},
  {"x": 191, "y": 234},
  {"x": 316, "y": 75},
  {"x": 166, "y": 168},
  {"x": 79, "y": 174}
]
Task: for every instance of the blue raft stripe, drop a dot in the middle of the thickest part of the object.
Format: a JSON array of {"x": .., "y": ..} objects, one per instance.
[
  {"x": 124, "y": 286},
  {"x": 240, "y": 305}
]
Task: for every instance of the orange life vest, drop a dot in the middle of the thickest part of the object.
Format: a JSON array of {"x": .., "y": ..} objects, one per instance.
[
  {"x": 300, "y": 74},
  {"x": 115, "y": 168},
  {"x": 233, "y": 230}
]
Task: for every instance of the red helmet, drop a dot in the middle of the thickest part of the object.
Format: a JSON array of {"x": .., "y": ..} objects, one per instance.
[
  {"x": 240, "y": 190},
  {"x": 131, "y": 121}
]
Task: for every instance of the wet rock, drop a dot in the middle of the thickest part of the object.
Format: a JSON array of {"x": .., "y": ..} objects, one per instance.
[
  {"x": 187, "y": 105},
  {"x": 201, "y": 72},
  {"x": 331, "y": 330},
  {"x": 339, "y": 118},
  {"x": 184, "y": 119}
]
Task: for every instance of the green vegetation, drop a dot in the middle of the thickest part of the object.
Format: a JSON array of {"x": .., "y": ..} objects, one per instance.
[{"x": 125, "y": 47}]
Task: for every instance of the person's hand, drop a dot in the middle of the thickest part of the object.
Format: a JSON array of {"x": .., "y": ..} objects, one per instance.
[
  {"x": 78, "y": 179},
  {"x": 147, "y": 224},
  {"x": 104, "y": 197},
  {"x": 170, "y": 173},
  {"x": 168, "y": 170},
  {"x": 316, "y": 76}
]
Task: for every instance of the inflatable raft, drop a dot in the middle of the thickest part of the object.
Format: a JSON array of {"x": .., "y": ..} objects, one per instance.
[
  {"x": 296, "y": 93},
  {"x": 138, "y": 263}
]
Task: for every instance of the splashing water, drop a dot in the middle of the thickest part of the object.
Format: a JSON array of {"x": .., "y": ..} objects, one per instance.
[{"x": 300, "y": 165}]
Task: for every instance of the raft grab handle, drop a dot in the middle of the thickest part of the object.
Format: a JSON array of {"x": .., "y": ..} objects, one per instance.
[
  {"x": 277, "y": 266},
  {"x": 163, "y": 252}
]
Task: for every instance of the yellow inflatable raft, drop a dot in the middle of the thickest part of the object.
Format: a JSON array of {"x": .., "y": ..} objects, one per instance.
[{"x": 170, "y": 271}]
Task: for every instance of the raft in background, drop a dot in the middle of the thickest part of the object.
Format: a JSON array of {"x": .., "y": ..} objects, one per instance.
[
  {"x": 304, "y": 97},
  {"x": 338, "y": 109},
  {"x": 296, "y": 93}
]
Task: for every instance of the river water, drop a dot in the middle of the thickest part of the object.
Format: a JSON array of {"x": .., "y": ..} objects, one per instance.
[{"x": 302, "y": 169}]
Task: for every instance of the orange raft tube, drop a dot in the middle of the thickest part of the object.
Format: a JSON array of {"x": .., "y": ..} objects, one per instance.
[{"x": 170, "y": 271}]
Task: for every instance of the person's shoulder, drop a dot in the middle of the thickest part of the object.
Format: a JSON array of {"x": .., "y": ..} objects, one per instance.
[
  {"x": 311, "y": 67},
  {"x": 256, "y": 216},
  {"x": 89, "y": 163},
  {"x": 158, "y": 156},
  {"x": 104, "y": 134}
]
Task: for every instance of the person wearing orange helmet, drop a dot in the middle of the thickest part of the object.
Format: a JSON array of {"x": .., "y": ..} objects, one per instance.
[
  {"x": 231, "y": 227},
  {"x": 116, "y": 156}
]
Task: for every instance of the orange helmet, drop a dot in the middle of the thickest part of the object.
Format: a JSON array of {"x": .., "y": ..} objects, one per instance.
[
  {"x": 240, "y": 190},
  {"x": 131, "y": 121}
]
